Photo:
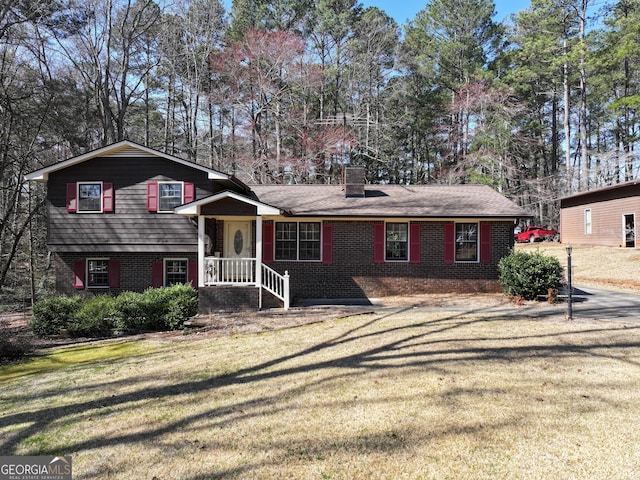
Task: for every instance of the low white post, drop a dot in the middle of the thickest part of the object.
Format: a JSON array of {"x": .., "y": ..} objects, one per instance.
[{"x": 286, "y": 290}]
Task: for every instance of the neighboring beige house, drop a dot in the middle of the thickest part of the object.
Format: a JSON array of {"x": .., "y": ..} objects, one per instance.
[{"x": 607, "y": 216}]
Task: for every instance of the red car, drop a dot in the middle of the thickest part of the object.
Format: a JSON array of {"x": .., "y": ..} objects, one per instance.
[{"x": 535, "y": 234}]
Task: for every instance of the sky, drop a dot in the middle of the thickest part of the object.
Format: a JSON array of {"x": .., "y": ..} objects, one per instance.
[{"x": 403, "y": 10}]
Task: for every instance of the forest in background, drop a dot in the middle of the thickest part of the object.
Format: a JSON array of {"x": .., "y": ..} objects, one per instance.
[{"x": 289, "y": 91}]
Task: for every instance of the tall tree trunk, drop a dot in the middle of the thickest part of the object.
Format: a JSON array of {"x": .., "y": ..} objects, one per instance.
[
  {"x": 567, "y": 116},
  {"x": 584, "y": 151}
]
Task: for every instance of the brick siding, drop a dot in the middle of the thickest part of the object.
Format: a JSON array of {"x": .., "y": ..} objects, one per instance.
[
  {"x": 135, "y": 271},
  {"x": 353, "y": 253}
]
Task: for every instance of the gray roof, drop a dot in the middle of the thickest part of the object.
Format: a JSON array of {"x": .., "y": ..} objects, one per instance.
[{"x": 423, "y": 201}]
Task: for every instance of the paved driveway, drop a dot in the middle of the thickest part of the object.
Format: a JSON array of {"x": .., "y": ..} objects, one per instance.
[{"x": 601, "y": 304}]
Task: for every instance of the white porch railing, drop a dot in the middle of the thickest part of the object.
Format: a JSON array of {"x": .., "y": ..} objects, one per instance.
[
  {"x": 242, "y": 271},
  {"x": 277, "y": 284},
  {"x": 229, "y": 271}
]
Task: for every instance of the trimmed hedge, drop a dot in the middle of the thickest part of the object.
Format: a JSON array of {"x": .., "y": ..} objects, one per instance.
[
  {"x": 529, "y": 275},
  {"x": 156, "y": 309},
  {"x": 52, "y": 314}
]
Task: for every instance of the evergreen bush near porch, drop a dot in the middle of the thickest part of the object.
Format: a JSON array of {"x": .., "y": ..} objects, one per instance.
[{"x": 529, "y": 275}]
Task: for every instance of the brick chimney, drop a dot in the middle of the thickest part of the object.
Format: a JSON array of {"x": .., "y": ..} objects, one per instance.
[{"x": 354, "y": 181}]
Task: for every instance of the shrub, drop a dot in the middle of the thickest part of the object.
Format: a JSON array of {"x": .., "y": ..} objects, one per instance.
[
  {"x": 12, "y": 345},
  {"x": 95, "y": 317},
  {"x": 52, "y": 314},
  {"x": 130, "y": 312},
  {"x": 182, "y": 303},
  {"x": 155, "y": 309},
  {"x": 529, "y": 275},
  {"x": 169, "y": 307}
]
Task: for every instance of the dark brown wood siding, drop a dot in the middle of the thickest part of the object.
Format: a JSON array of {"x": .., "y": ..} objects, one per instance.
[
  {"x": 130, "y": 227},
  {"x": 608, "y": 208},
  {"x": 229, "y": 206}
]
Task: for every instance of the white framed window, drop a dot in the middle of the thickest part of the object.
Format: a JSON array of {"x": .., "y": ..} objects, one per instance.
[
  {"x": 466, "y": 242},
  {"x": 97, "y": 272},
  {"x": 587, "y": 221},
  {"x": 175, "y": 271},
  {"x": 169, "y": 196},
  {"x": 298, "y": 241},
  {"x": 396, "y": 241},
  {"x": 90, "y": 197}
]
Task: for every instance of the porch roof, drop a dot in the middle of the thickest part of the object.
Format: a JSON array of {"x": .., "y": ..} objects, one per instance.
[
  {"x": 193, "y": 208},
  {"x": 422, "y": 201}
]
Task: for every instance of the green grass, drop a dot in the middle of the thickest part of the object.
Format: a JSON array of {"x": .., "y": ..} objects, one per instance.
[
  {"x": 410, "y": 394},
  {"x": 97, "y": 354}
]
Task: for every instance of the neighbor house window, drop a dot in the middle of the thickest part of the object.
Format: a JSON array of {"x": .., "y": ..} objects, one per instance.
[
  {"x": 466, "y": 242},
  {"x": 98, "y": 272},
  {"x": 175, "y": 271},
  {"x": 397, "y": 241},
  {"x": 169, "y": 196},
  {"x": 90, "y": 197},
  {"x": 587, "y": 221},
  {"x": 297, "y": 241}
]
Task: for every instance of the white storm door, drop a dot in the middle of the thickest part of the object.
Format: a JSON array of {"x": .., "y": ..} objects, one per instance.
[{"x": 237, "y": 239}]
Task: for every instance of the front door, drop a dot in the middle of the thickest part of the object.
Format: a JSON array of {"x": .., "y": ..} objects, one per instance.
[
  {"x": 237, "y": 239},
  {"x": 629, "y": 226}
]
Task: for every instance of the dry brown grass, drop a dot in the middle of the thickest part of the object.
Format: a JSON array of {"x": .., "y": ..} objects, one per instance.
[
  {"x": 596, "y": 266},
  {"x": 396, "y": 394}
]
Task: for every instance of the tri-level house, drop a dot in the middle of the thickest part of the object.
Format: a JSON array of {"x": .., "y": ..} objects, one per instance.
[{"x": 126, "y": 217}]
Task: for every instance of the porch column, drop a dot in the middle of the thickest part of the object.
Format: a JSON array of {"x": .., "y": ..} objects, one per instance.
[
  {"x": 259, "y": 251},
  {"x": 201, "y": 243}
]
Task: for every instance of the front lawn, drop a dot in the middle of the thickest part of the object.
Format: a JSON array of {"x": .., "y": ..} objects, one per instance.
[{"x": 410, "y": 394}]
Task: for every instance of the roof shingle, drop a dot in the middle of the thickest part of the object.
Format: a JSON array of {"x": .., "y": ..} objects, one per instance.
[{"x": 424, "y": 201}]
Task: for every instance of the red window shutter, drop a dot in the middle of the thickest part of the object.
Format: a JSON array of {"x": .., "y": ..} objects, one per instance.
[
  {"x": 78, "y": 274},
  {"x": 378, "y": 243},
  {"x": 192, "y": 274},
  {"x": 157, "y": 277},
  {"x": 72, "y": 202},
  {"x": 267, "y": 243},
  {"x": 449, "y": 243},
  {"x": 107, "y": 197},
  {"x": 114, "y": 273},
  {"x": 189, "y": 192},
  {"x": 414, "y": 245},
  {"x": 152, "y": 196},
  {"x": 485, "y": 243},
  {"x": 327, "y": 244}
]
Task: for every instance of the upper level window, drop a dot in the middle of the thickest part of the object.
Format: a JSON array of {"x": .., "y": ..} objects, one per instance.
[
  {"x": 90, "y": 197},
  {"x": 169, "y": 196},
  {"x": 98, "y": 272},
  {"x": 297, "y": 241},
  {"x": 587, "y": 221},
  {"x": 397, "y": 241},
  {"x": 466, "y": 242}
]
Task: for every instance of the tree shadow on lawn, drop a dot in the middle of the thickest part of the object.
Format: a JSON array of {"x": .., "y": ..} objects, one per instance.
[{"x": 386, "y": 356}]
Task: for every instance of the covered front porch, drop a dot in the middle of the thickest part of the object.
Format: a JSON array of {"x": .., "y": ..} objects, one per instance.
[{"x": 230, "y": 246}]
